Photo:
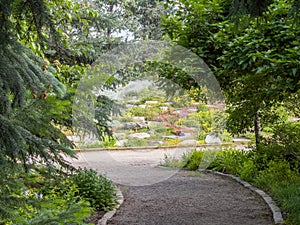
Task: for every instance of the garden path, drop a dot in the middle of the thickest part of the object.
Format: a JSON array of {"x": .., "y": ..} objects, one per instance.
[{"x": 155, "y": 195}]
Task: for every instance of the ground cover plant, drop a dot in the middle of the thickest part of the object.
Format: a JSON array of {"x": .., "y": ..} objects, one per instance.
[{"x": 70, "y": 198}]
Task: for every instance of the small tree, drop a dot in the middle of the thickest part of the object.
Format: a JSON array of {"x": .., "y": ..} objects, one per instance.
[{"x": 261, "y": 67}]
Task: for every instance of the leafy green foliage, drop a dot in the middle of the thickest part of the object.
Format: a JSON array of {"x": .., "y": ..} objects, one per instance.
[
  {"x": 8, "y": 186},
  {"x": 58, "y": 199},
  {"x": 287, "y": 193},
  {"x": 229, "y": 161},
  {"x": 53, "y": 208},
  {"x": 212, "y": 121},
  {"x": 148, "y": 112},
  {"x": 275, "y": 172},
  {"x": 248, "y": 171},
  {"x": 256, "y": 66},
  {"x": 260, "y": 65},
  {"x": 195, "y": 160},
  {"x": 26, "y": 125},
  {"x": 208, "y": 122},
  {"x": 29, "y": 199},
  {"x": 192, "y": 24},
  {"x": 283, "y": 144},
  {"x": 98, "y": 190},
  {"x": 174, "y": 162},
  {"x": 282, "y": 181},
  {"x": 144, "y": 18}
]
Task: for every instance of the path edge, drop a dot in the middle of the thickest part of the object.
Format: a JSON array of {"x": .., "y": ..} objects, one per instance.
[
  {"x": 111, "y": 213},
  {"x": 277, "y": 216}
]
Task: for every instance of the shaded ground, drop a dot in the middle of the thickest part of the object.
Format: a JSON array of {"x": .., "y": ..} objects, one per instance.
[{"x": 194, "y": 199}]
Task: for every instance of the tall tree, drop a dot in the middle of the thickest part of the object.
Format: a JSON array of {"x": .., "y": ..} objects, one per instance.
[
  {"x": 26, "y": 131},
  {"x": 145, "y": 17}
]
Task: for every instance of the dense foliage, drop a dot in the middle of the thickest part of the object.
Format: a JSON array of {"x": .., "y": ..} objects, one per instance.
[
  {"x": 46, "y": 47},
  {"x": 58, "y": 199},
  {"x": 256, "y": 63},
  {"x": 26, "y": 128},
  {"x": 35, "y": 39}
]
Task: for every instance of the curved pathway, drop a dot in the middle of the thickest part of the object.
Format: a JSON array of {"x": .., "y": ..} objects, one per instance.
[
  {"x": 176, "y": 197},
  {"x": 192, "y": 198}
]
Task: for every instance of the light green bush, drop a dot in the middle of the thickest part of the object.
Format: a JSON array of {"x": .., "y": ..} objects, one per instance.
[
  {"x": 229, "y": 161},
  {"x": 58, "y": 205},
  {"x": 284, "y": 144},
  {"x": 96, "y": 189},
  {"x": 248, "y": 171},
  {"x": 195, "y": 160}
]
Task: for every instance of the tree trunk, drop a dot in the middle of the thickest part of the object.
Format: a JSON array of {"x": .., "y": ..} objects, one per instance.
[{"x": 257, "y": 129}]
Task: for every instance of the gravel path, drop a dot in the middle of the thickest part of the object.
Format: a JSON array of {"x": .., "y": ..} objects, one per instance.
[
  {"x": 191, "y": 198},
  {"x": 155, "y": 195}
]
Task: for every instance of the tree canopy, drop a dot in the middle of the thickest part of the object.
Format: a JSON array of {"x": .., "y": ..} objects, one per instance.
[{"x": 257, "y": 63}]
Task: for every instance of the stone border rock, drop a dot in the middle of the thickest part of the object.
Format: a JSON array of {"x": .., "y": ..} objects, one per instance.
[
  {"x": 110, "y": 214},
  {"x": 277, "y": 216}
]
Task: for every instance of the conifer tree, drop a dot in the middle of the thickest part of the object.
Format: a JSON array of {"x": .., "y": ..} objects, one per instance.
[{"x": 26, "y": 132}]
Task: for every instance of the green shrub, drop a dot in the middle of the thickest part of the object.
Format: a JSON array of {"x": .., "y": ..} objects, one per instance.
[
  {"x": 148, "y": 112},
  {"x": 212, "y": 121},
  {"x": 159, "y": 129},
  {"x": 229, "y": 161},
  {"x": 136, "y": 142},
  {"x": 276, "y": 172},
  {"x": 248, "y": 171},
  {"x": 283, "y": 183},
  {"x": 97, "y": 189},
  {"x": 57, "y": 210},
  {"x": 108, "y": 142},
  {"x": 56, "y": 198},
  {"x": 55, "y": 205},
  {"x": 192, "y": 160},
  {"x": 195, "y": 160},
  {"x": 225, "y": 136},
  {"x": 201, "y": 135},
  {"x": 191, "y": 120},
  {"x": 284, "y": 144},
  {"x": 288, "y": 194}
]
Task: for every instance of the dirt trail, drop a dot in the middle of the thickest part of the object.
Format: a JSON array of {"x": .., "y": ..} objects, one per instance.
[
  {"x": 160, "y": 196},
  {"x": 190, "y": 198}
]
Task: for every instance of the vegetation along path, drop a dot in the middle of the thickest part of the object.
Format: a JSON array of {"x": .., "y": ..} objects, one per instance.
[{"x": 165, "y": 196}]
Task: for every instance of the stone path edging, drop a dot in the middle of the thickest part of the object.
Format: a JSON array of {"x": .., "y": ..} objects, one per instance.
[
  {"x": 277, "y": 216},
  {"x": 111, "y": 213}
]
